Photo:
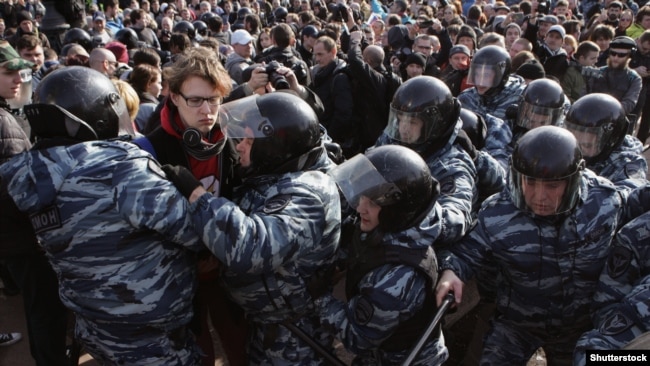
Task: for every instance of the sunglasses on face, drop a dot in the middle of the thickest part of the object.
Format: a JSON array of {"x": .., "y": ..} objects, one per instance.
[{"x": 619, "y": 54}]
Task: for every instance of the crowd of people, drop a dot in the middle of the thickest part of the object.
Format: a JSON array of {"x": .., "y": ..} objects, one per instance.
[{"x": 173, "y": 167}]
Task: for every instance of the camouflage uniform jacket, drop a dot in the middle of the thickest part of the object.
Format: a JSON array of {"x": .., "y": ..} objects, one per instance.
[
  {"x": 622, "y": 299},
  {"x": 497, "y": 104},
  {"x": 387, "y": 295},
  {"x": 456, "y": 173},
  {"x": 548, "y": 267},
  {"x": 114, "y": 229},
  {"x": 276, "y": 233},
  {"x": 625, "y": 166}
]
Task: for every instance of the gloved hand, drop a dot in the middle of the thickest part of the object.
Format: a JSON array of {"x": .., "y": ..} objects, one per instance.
[{"x": 182, "y": 178}]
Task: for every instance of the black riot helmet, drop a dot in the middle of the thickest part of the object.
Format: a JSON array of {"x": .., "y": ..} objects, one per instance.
[
  {"x": 80, "y": 103},
  {"x": 393, "y": 177},
  {"x": 284, "y": 127},
  {"x": 78, "y": 36},
  {"x": 598, "y": 121},
  {"x": 427, "y": 102},
  {"x": 207, "y": 16},
  {"x": 127, "y": 37},
  {"x": 490, "y": 67},
  {"x": 475, "y": 127},
  {"x": 280, "y": 15},
  {"x": 542, "y": 157},
  {"x": 542, "y": 104},
  {"x": 242, "y": 13},
  {"x": 200, "y": 27},
  {"x": 185, "y": 27}
]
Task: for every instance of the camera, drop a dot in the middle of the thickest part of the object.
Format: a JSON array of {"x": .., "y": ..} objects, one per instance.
[
  {"x": 402, "y": 54},
  {"x": 542, "y": 8},
  {"x": 425, "y": 24},
  {"x": 278, "y": 81},
  {"x": 165, "y": 33}
]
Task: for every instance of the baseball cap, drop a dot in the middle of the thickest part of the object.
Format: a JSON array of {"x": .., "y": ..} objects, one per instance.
[
  {"x": 241, "y": 37},
  {"x": 99, "y": 16},
  {"x": 549, "y": 19},
  {"x": 459, "y": 48},
  {"x": 558, "y": 28},
  {"x": 10, "y": 59}
]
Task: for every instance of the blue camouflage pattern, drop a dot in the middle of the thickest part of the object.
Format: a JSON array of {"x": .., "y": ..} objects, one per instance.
[
  {"x": 278, "y": 232},
  {"x": 625, "y": 166},
  {"x": 622, "y": 300},
  {"x": 494, "y": 105},
  {"x": 456, "y": 174},
  {"x": 117, "y": 233},
  {"x": 497, "y": 141},
  {"x": 548, "y": 268},
  {"x": 389, "y": 294}
]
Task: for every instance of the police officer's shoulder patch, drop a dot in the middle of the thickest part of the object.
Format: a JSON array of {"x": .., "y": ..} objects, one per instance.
[
  {"x": 618, "y": 261},
  {"x": 276, "y": 203},
  {"x": 363, "y": 311},
  {"x": 448, "y": 186},
  {"x": 154, "y": 167},
  {"x": 615, "y": 324}
]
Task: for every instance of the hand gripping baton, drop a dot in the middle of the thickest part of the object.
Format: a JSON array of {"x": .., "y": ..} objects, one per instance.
[{"x": 446, "y": 303}]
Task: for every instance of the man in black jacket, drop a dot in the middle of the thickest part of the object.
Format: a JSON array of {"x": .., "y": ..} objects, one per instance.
[{"x": 372, "y": 89}]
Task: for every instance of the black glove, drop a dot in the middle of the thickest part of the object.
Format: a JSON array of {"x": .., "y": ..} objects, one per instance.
[{"x": 182, "y": 178}]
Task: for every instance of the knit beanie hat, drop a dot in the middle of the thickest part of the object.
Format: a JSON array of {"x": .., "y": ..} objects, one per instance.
[
  {"x": 532, "y": 70},
  {"x": 416, "y": 58},
  {"x": 23, "y": 15},
  {"x": 466, "y": 31}
]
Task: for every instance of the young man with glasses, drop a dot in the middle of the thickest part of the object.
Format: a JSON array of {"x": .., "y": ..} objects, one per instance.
[
  {"x": 617, "y": 79},
  {"x": 190, "y": 135}
]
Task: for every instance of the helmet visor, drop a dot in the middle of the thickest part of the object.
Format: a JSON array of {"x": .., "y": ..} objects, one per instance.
[
  {"x": 413, "y": 128},
  {"x": 530, "y": 116},
  {"x": 592, "y": 140},
  {"x": 242, "y": 119},
  {"x": 483, "y": 75},
  {"x": 544, "y": 197},
  {"x": 357, "y": 177}
]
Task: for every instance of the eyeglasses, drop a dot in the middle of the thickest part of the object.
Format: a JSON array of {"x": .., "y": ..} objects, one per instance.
[
  {"x": 619, "y": 54},
  {"x": 198, "y": 101}
]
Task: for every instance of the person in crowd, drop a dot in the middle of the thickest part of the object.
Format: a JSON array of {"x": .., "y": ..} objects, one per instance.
[
  {"x": 425, "y": 117},
  {"x": 45, "y": 315},
  {"x": 280, "y": 231},
  {"x": 548, "y": 234},
  {"x": 573, "y": 82},
  {"x": 99, "y": 29},
  {"x": 391, "y": 267},
  {"x": 330, "y": 81},
  {"x": 126, "y": 311},
  {"x": 103, "y": 61},
  {"x": 456, "y": 71},
  {"x": 620, "y": 315},
  {"x": 242, "y": 44},
  {"x": 600, "y": 125},
  {"x": 147, "y": 82},
  {"x": 640, "y": 63},
  {"x": 372, "y": 90},
  {"x": 190, "y": 135},
  {"x": 617, "y": 79}
]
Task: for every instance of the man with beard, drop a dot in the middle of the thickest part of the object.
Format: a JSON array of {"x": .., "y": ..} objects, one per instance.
[{"x": 617, "y": 79}]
